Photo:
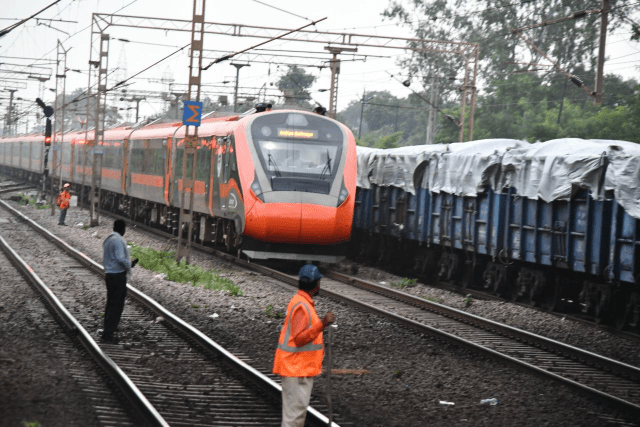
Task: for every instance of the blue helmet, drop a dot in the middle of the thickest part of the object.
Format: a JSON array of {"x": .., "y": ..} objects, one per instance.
[{"x": 310, "y": 273}]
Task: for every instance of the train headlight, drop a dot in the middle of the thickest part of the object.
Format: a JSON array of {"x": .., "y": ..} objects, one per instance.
[
  {"x": 257, "y": 190},
  {"x": 344, "y": 193}
]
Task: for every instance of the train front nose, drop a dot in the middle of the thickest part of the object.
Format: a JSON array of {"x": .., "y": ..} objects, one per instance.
[
  {"x": 274, "y": 222},
  {"x": 323, "y": 225},
  {"x": 297, "y": 223}
]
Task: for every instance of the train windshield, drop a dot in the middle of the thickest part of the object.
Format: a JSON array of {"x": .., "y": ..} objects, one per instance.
[{"x": 298, "y": 152}]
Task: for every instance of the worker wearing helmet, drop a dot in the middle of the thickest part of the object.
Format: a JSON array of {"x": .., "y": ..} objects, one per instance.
[
  {"x": 300, "y": 348},
  {"x": 63, "y": 203}
]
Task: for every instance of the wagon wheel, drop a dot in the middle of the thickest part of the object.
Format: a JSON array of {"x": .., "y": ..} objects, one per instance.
[
  {"x": 514, "y": 294},
  {"x": 552, "y": 293},
  {"x": 468, "y": 274},
  {"x": 602, "y": 303},
  {"x": 443, "y": 267},
  {"x": 633, "y": 311},
  {"x": 501, "y": 281},
  {"x": 537, "y": 289},
  {"x": 229, "y": 236},
  {"x": 622, "y": 311}
]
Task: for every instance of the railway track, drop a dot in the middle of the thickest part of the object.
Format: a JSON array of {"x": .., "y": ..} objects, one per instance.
[
  {"x": 108, "y": 409},
  {"x": 188, "y": 379},
  {"x": 582, "y": 319},
  {"x": 610, "y": 381},
  {"x": 615, "y": 383}
]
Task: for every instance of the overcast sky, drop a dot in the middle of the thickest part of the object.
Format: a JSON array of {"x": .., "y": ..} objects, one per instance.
[{"x": 364, "y": 17}]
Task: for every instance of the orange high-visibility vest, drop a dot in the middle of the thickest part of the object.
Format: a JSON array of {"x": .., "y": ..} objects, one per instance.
[
  {"x": 63, "y": 199},
  {"x": 292, "y": 361}
]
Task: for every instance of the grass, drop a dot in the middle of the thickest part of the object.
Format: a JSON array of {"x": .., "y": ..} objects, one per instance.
[
  {"x": 31, "y": 424},
  {"x": 32, "y": 202},
  {"x": 405, "y": 283},
  {"x": 273, "y": 314},
  {"x": 164, "y": 262},
  {"x": 434, "y": 299},
  {"x": 468, "y": 300}
]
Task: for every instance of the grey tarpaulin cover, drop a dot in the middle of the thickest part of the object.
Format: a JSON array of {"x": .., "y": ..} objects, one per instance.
[
  {"x": 397, "y": 166},
  {"x": 392, "y": 167},
  {"x": 553, "y": 170},
  {"x": 465, "y": 168},
  {"x": 366, "y": 163},
  {"x": 623, "y": 175}
]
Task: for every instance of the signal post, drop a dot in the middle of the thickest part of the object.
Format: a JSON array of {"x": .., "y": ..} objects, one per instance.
[{"x": 191, "y": 119}]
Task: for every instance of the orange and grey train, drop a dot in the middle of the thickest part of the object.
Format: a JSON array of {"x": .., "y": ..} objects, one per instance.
[{"x": 274, "y": 185}]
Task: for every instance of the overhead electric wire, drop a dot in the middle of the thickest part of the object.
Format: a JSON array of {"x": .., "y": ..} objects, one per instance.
[
  {"x": 17, "y": 24},
  {"x": 281, "y": 10},
  {"x": 451, "y": 118},
  {"x": 150, "y": 66},
  {"x": 224, "y": 58}
]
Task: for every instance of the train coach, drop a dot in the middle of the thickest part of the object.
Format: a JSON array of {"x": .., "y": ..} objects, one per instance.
[
  {"x": 549, "y": 222},
  {"x": 273, "y": 185}
]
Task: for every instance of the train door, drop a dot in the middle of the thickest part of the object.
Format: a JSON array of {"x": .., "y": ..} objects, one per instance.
[
  {"x": 126, "y": 182},
  {"x": 167, "y": 171},
  {"x": 218, "y": 144}
]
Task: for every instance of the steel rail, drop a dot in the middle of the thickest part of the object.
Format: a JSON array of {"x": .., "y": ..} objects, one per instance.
[
  {"x": 596, "y": 359},
  {"x": 122, "y": 381},
  {"x": 248, "y": 372},
  {"x": 505, "y": 330},
  {"x": 561, "y": 348},
  {"x": 18, "y": 187},
  {"x": 526, "y": 337}
]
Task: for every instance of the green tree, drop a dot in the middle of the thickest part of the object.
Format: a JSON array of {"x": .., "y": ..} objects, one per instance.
[
  {"x": 571, "y": 43},
  {"x": 295, "y": 84}
]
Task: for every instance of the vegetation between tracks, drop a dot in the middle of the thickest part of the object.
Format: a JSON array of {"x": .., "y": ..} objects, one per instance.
[
  {"x": 405, "y": 283},
  {"x": 31, "y": 201},
  {"x": 162, "y": 261}
]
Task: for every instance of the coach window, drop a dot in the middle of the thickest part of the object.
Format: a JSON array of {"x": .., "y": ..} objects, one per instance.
[
  {"x": 137, "y": 156},
  {"x": 226, "y": 160},
  {"x": 179, "y": 160},
  {"x": 203, "y": 160},
  {"x": 154, "y": 155}
]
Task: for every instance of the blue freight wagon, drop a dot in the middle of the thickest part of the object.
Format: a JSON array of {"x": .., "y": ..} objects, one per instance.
[{"x": 544, "y": 222}]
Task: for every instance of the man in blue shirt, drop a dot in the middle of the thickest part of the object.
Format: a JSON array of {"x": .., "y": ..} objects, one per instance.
[{"x": 117, "y": 263}]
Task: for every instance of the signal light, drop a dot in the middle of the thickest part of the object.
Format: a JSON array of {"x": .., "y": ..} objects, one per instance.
[{"x": 47, "y": 132}]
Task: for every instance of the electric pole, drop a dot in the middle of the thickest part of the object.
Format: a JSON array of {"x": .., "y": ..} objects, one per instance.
[
  {"x": 603, "y": 41},
  {"x": 335, "y": 71},
  {"x": 235, "y": 93},
  {"x": 431, "y": 121},
  {"x": 9, "y": 122},
  {"x": 364, "y": 92}
]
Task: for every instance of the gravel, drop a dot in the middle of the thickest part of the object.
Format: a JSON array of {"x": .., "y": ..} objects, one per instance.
[
  {"x": 407, "y": 374},
  {"x": 37, "y": 360},
  {"x": 549, "y": 325}
]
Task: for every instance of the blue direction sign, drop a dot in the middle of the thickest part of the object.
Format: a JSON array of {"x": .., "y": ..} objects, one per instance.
[{"x": 192, "y": 113}]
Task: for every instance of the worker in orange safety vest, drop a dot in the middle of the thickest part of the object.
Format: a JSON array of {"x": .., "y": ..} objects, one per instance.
[
  {"x": 63, "y": 203},
  {"x": 300, "y": 348}
]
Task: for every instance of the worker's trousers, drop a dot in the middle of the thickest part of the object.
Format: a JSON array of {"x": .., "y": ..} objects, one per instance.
[
  {"x": 116, "y": 293},
  {"x": 296, "y": 393},
  {"x": 63, "y": 215}
]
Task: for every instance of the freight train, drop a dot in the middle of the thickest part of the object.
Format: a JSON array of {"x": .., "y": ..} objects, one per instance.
[
  {"x": 273, "y": 185},
  {"x": 547, "y": 223}
]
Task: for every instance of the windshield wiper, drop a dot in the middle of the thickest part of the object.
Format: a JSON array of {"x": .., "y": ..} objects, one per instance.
[
  {"x": 327, "y": 166},
  {"x": 275, "y": 166}
]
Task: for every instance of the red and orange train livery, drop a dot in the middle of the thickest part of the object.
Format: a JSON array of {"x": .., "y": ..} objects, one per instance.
[{"x": 277, "y": 184}]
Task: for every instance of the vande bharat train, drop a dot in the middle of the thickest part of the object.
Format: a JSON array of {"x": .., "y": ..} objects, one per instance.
[{"x": 273, "y": 185}]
